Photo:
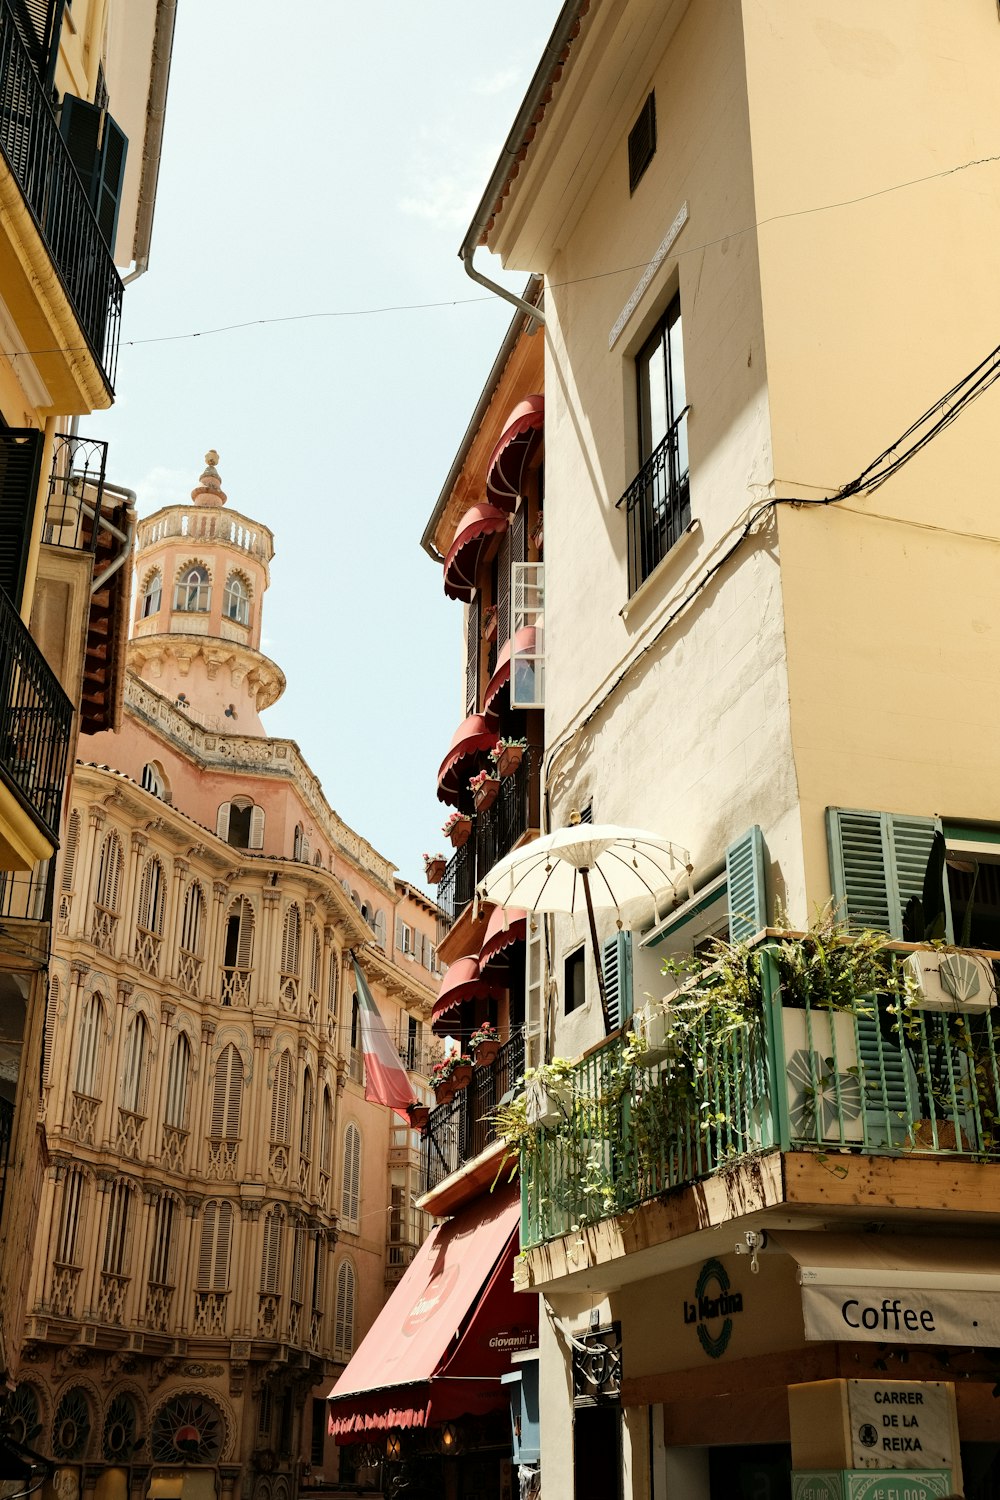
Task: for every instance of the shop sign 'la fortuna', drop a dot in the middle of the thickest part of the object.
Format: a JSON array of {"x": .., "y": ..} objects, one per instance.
[{"x": 714, "y": 1298}]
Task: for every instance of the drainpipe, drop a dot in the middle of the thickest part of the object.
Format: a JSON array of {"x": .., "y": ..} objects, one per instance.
[
  {"x": 562, "y": 35},
  {"x": 152, "y": 148},
  {"x": 126, "y": 537}
]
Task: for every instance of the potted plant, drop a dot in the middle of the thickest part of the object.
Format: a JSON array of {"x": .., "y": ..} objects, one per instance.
[
  {"x": 434, "y": 868},
  {"x": 548, "y": 1092},
  {"x": 484, "y": 787},
  {"x": 419, "y": 1115},
  {"x": 652, "y": 1027},
  {"x": 442, "y": 1082},
  {"x": 507, "y": 755},
  {"x": 460, "y": 1064},
  {"x": 457, "y": 827},
  {"x": 484, "y": 1044}
]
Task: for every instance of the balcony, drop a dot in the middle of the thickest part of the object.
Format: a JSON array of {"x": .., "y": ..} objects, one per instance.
[
  {"x": 460, "y": 1130},
  {"x": 657, "y": 504},
  {"x": 76, "y": 493},
  {"x": 53, "y": 193},
  {"x": 35, "y": 721},
  {"x": 876, "y": 1075},
  {"x": 494, "y": 834}
]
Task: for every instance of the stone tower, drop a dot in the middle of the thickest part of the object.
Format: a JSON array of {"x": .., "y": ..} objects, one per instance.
[{"x": 202, "y": 573}]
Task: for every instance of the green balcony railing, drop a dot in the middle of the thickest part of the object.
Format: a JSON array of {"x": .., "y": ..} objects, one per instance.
[{"x": 879, "y": 1078}]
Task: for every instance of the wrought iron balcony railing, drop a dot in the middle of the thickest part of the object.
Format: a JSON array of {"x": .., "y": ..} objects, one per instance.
[
  {"x": 494, "y": 833},
  {"x": 35, "y": 721},
  {"x": 76, "y": 492},
  {"x": 40, "y": 161},
  {"x": 658, "y": 504},
  {"x": 461, "y": 1129}
]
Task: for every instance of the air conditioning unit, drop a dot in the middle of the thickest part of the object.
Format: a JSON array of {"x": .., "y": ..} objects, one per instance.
[{"x": 952, "y": 981}]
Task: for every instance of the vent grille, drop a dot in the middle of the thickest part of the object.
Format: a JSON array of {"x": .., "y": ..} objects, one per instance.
[{"x": 642, "y": 143}]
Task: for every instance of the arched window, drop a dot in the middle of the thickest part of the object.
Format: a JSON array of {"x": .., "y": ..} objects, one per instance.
[
  {"x": 152, "y": 593},
  {"x": 270, "y": 1263},
  {"x": 315, "y": 963},
  {"x": 281, "y": 1102},
  {"x": 227, "y": 1096},
  {"x": 193, "y": 592},
  {"x": 152, "y": 896},
  {"x": 109, "y": 872},
  {"x": 326, "y": 1134},
  {"x": 318, "y": 1262},
  {"x": 291, "y": 941},
  {"x": 213, "y": 1251},
  {"x": 331, "y": 995},
  {"x": 298, "y": 841},
  {"x": 241, "y": 824},
  {"x": 193, "y": 920},
  {"x": 85, "y": 1080},
  {"x": 134, "y": 1066},
  {"x": 306, "y": 1127},
  {"x": 298, "y": 1261},
  {"x": 178, "y": 1073},
  {"x": 161, "y": 1260},
  {"x": 350, "y": 1193},
  {"x": 117, "y": 1233},
  {"x": 70, "y": 1218},
  {"x": 154, "y": 780},
  {"x": 236, "y": 600},
  {"x": 237, "y": 956},
  {"x": 343, "y": 1328}
]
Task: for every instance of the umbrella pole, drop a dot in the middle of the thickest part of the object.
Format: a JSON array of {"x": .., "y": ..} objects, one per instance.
[{"x": 597, "y": 955}]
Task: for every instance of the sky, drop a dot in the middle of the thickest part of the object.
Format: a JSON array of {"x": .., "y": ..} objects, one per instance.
[{"x": 332, "y": 168}]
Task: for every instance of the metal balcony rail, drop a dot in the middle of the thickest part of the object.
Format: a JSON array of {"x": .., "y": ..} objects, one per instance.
[
  {"x": 35, "y": 721},
  {"x": 461, "y": 1129},
  {"x": 798, "y": 1076},
  {"x": 495, "y": 831},
  {"x": 38, "y": 157},
  {"x": 76, "y": 492},
  {"x": 658, "y": 504},
  {"x": 27, "y": 895}
]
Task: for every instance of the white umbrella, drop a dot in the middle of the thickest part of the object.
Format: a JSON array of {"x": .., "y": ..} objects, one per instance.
[{"x": 587, "y": 864}]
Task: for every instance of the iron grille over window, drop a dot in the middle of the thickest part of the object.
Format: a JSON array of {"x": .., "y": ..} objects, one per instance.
[
  {"x": 658, "y": 501},
  {"x": 642, "y": 143}
]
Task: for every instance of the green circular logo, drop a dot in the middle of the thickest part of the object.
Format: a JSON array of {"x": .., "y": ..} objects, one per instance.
[{"x": 713, "y": 1274}]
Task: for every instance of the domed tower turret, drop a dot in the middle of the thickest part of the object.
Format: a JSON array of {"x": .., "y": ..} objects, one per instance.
[{"x": 202, "y": 574}]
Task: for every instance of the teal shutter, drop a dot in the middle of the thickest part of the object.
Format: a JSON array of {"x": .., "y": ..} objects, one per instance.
[
  {"x": 109, "y": 179},
  {"x": 877, "y": 862},
  {"x": 616, "y": 957},
  {"x": 745, "y": 886}
]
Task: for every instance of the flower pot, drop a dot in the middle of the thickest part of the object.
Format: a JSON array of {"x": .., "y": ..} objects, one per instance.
[
  {"x": 509, "y": 759},
  {"x": 434, "y": 870},
  {"x": 461, "y": 1076},
  {"x": 548, "y": 1102},
  {"x": 485, "y": 1054},
  {"x": 485, "y": 793},
  {"x": 459, "y": 832},
  {"x": 419, "y": 1115},
  {"x": 444, "y": 1090}
]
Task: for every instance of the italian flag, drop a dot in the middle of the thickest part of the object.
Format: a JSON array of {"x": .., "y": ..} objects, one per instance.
[{"x": 385, "y": 1077}]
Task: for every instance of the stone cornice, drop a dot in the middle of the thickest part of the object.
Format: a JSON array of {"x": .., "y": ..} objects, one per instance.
[{"x": 396, "y": 982}]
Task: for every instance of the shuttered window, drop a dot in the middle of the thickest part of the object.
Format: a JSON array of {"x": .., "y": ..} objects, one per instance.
[
  {"x": 239, "y": 935},
  {"x": 350, "y": 1195},
  {"x": 503, "y": 588},
  {"x": 318, "y": 1245},
  {"x": 20, "y": 463},
  {"x": 745, "y": 886},
  {"x": 256, "y": 828},
  {"x": 270, "y": 1265},
  {"x": 281, "y": 1101},
  {"x": 298, "y": 1262},
  {"x": 51, "y": 1014},
  {"x": 877, "y": 862},
  {"x": 306, "y": 1128},
  {"x": 70, "y": 1218},
  {"x": 98, "y": 148},
  {"x": 178, "y": 1072},
  {"x": 117, "y": 1234},
  {"x": 214, "y": 1248},
  {"x": 109, "y": 872},
  {"x": 642, "y": 143},
  {"x": 326, "y": 1137},
  {"x": 343, "y": 1335},
  {"x": 193, "y": 919},
  {"x": 161, "y": 1259},
  {"x": 69, "y": 850},
  {"x": 315, "y": 962},
  {"x": 472, "y": 657},
  {"x": 617, "y": 960},
  {"x": 134, "y": 1065},
  {"x": 291, "y": 941},
  {"x": 85, "y": 1081},
  {"x": 227, "y": 1095}
]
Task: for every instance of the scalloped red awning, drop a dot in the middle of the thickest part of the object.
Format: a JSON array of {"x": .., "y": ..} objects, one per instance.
[
  {"x": 472, "y": 537},
  {"x": 471, "y": 737},
  {"x": 524, "y": 640},
  {"x": 509, "y": 460},
  {"x": 462, "y": 982},
  {"x": 501, "y": 935}
]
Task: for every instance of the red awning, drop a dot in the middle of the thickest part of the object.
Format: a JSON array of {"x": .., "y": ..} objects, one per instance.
[
  {"x": 501, "y": 933},
  {"x": 472, "y": 537},
  {"x": 471, "y": 737},
  {"x": 509, "y": 460},
  {"x": 439, "y": 1346},
  {"x": 462, "y": 982},
  {"x": 524, "y": 640}
]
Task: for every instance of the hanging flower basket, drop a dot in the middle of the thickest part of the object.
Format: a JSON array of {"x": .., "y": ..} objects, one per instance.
[
  {"x": 461, "y": 1075},
  {"x": 419, "y": 1116},
  {"x": 444, "y": 1090},
  {"x": 457, "y": 829},
  {"x": 484, "y": 790},
  {"x": 507, "y": 756},
  {"x": 434, "y": 868},
  {"x": 484, "y": 1045}
]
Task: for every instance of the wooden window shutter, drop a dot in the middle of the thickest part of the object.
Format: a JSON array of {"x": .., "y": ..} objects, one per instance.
[
  {"x": 206, "y": 1246},
  {"x": 306, "y": 1127},
  {"x": 877, "y": 862},
  {"x": 316, "y": 962},
  {"x": 344, "y": 1317},
  {"x": 290, "y": 945},
  {"x": 472, "y": 657},
  {"x": 617, "y": 962},
  {"x": 69, "y": 853},
  {"x": 281, "y": 1099},
  {"x": 298, "y": 1248},
  {"x": 745, "y": 886},
  {"x": 51, "y": 1013},
  {"x": 227, "y": 1095},
  {"x": 222, "y": 822},
  {"x": 223, "y": 1247},
  {"x": 177, "y": 1082},
  {"x": 270, "y": 1268},
  {"x": 504, "y": 557},
  {"x": 256, "y": 828},
  {"x": 351, "y": 1191},
  {"x": 326, "y": 1140},
  {"x": 399, "y": 934},
  {"x": 642, "y": 143},
  {"x": 518, "y": 534},
  {"x": 109, "y": 177},
  {"x": 20, "y": 464},
  {"x": 244, "y": 950}
]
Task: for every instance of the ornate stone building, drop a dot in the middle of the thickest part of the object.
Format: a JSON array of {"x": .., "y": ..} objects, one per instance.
[{"x": 223, "y": 1210}]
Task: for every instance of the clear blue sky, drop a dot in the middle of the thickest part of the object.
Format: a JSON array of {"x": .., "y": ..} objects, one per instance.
[{"x": 329, "y": 159}]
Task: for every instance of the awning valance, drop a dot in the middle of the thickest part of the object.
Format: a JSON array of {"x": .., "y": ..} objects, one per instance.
[
  {"x": 504, "y": 928},
  {"x": 524, "y": 640},
  {"x": 897, "y": 1289},
  {"x": 510, "y": 458},
  {"x": 463, "y": 981},
  {"x": 472, "y": 737},
  {"x": 472, "y": 537},
  {"x": 441, "y": 1343}
]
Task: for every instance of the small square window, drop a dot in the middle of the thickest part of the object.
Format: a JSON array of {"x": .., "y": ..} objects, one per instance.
[
  {"x": 642, "y": 143},
  {"x": 575, "y": 987}
]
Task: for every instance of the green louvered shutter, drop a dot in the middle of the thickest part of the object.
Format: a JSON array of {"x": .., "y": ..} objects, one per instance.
[
  {"x": 616, "y": 958},
  {"x": 745, "y": 886}
]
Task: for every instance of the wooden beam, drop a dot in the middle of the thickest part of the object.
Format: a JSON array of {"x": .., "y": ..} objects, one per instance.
[{"x": 914, "y": 1182}]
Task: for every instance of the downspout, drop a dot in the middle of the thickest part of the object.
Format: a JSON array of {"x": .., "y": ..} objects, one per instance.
[
  {"x": 126, "y": 537},
  {"x": 152, "y": 147},
  {"x": 562, "y": 34}
]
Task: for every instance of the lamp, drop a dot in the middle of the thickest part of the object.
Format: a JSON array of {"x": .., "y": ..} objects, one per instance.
[
  {"x": 393, "y": 1448},
  {"x": 448, "y": 1441}
]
